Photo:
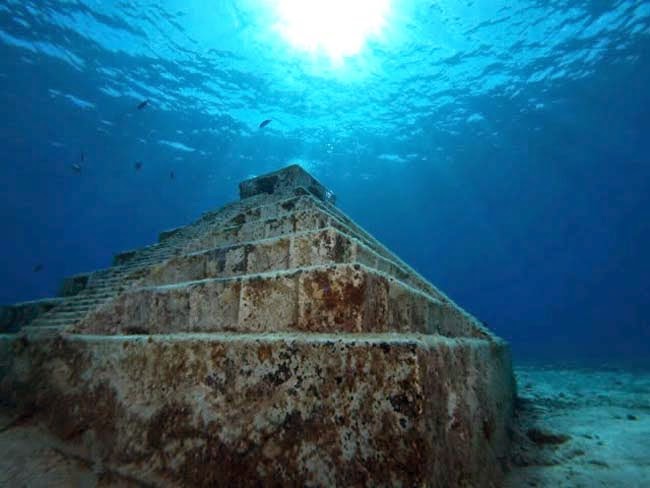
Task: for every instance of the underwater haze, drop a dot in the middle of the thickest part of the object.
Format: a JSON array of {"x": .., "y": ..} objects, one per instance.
[{"x": 500, "y": 148}]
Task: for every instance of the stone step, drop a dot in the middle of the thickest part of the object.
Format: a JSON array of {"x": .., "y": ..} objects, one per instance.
[
  {"x": 252, "y": 222},
  {"x": 104, "y": 292},
  {"x": 107, "y": 283},
  {"x": 100, "y": 290},
  {"x": 112, "y": 279},
  {"x": 63, "y": 314},
  {"x": 81, "y": 304},
  {"x": 74, "y": 308},
  {"x": 341, "y": 401},
  {"x": 50, "y": 322},
  {"x": 105, "y": 289},
  {"x": 347, "y": 225},
  {"x": 14, "y": 317},
  {"x": 89, "y": 300},
  {"x": 302, "y": 214},
  {"x": 72, "y": 315},
  {"x": 271, "y": 210},
  {"x": 171, "y": 234},
  {"x": 382, "y": 250},
  {"x": 168, "y": 246},
  {"x": 254, "y": 229},
  {"x": 73, "y": 285},
  {"x": 306, "y": 201},
  {"x": 116, "y": 275},
  {"x": 275, "y": 208},
  {"x": 321, "y": 247},
  {"x": 101, "y": 286},
  {"x": 212, "y": 218},
  {"x": 41, "y": 332},
  {"x": 281, "y": 217},
  {"x": 135, "y": 257},
  {"x": 337, "y": 298},
  {"x": 43, "y": 328}
]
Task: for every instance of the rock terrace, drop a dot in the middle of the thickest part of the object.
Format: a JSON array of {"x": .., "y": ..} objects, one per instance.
[{"x": 273, "y": 342}]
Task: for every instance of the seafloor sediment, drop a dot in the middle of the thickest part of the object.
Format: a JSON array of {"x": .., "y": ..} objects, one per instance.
[{"x": 581, "y": 428}]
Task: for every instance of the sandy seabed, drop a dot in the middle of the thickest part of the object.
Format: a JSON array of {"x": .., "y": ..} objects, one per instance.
[
  {"x": 581, "y": 427},
  {"x": 575, "y": 427}
]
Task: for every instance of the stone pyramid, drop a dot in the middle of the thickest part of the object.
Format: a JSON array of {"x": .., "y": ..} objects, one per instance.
[{"x": 272, "y": 342}]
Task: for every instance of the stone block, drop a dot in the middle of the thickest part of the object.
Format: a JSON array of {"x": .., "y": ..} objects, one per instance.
[
  {"x": 272, "y": 210},
  {"x": 124, "y": 257},
  {"x": 283, "y": 410},
  {"x": 335, "y": 298},
  {"x": 328, "y": 246},
  {"x": 269, "y": 303},
  {"x": 214, "y": 305},
  {"x": 283, "y": 181},
  {"x": 140, "y": 311},
  {"x": 73, "y": 285},
  {"x": 14, "y": 317},
  {"x": 188, "y": 267},
  {"x": 168, "y": 234},
  {"x": 268, "y": 255}
]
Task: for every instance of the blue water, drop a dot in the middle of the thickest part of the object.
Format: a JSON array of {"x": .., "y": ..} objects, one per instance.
[{"x": 501, "y": 148}]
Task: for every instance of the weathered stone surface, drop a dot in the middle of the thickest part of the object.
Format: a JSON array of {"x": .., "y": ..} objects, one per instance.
[
  {"x": 73, "y": 285},
  {"x": 277, "y": 410},
  {"x": 272, "y": 342},
  {"x": 302, "y": 214},
  {"x": 13, "y": 317},
  {"x": 296, "y": 250},
  {"x": 124, "y": 257},
  {"x": 336, "y": 298},
  {"x": 167, "y": 234},
  {"x": 284, "y": 180}
]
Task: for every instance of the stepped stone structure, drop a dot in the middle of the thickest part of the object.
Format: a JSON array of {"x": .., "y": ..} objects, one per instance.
[{"x": 273, "y": 342}]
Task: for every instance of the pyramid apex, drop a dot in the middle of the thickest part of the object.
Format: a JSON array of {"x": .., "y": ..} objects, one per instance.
[{"x": 283, "y": 181}]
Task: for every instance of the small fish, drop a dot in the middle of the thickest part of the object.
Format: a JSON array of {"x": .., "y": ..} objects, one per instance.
[
  {"x": 143, "y": 104},
  {"x": 264, "y": 123},
  {"x": 172, "y": 176},
  {"x": 76, "y": 168},
  {"x": 137, "y": 165},
  {"x": 38, "y": 267},
  {"x": 83, "y": 156}
]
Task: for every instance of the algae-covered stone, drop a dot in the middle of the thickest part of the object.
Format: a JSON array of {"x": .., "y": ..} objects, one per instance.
[
  {"x": 299, "y": 410},
  {"x": 273, "y": 342}
]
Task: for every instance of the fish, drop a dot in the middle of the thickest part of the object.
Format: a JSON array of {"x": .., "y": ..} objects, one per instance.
[
  {"x": 172, "y": 176},
  {"x": 83, "y": 156},
  {"x": 38, "y": 267},
  {"x": 143, "y": 104},
  {"x": 138, "y": 165},
  {"x": 264, "y": 123},
  {"x": 76, "y": 168}
]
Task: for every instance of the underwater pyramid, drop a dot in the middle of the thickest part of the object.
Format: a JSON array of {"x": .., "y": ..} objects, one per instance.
[{"x": 272, "y": 342}]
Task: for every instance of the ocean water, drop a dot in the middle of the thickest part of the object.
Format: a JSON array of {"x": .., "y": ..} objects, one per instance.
[{"x": 502, "y": 149}]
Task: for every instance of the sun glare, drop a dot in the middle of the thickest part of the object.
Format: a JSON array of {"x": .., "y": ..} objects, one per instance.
[{"x": 336, "y": 28}]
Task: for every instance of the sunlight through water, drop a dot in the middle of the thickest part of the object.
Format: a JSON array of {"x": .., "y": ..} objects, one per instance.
[{"x": 336, "y": 28}]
